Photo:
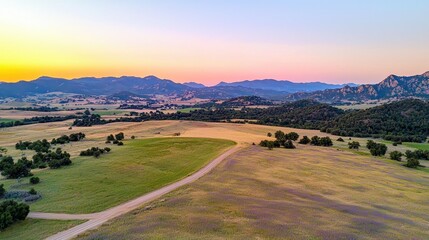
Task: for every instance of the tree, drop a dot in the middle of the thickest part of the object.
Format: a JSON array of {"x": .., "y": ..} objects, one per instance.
[
  {"x": 269, "y": 134},
  {"x": 315, "y": 140},
  {"x": 354, "y": 145},
  {"x": 279, "y": 135},
  {"x": 270, "y": 145},
  {"x": 304, "y": 140},
  {"x": 34, "y": 180},
  {"x": 120, "y": 136},
  {"x": 110, "y": 138},
  {"x": 11, "y": 211},
  {"x": 412, "y": 163},
  {"x": 289, "y": 144},
  {"x": 340, "y": 140},
  {"x": 378, "y": 149},
  {"x": 292, "y": 136},
  {"x": 396, "y": 155},
  {"x": 133, "y": 137},
  {"x": 2, "y": 190}
]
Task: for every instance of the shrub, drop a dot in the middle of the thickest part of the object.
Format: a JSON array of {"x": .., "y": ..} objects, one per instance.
[
  {"x": 340, "y": 140},
  {"x": 133, "y": 137},
  {"x": 34, "y": 180},
  {"x": 269, "y": 134},
  {"x": 289, "y": 144},
  {"x": 120, "y": 143},
  {"x": 354, "y": 145},
  {"x": 32, "y": 191},
  {"x": 396, "y": 155},
  {"x": 304, "y": 140},
  {"x": 376, "y": 149},
  {"x": 412, "y": 163},
  {"x": 120, "y": 136}
]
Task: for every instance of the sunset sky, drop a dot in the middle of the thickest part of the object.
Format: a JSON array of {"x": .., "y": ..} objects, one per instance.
[{"x": 211, "y": 41}]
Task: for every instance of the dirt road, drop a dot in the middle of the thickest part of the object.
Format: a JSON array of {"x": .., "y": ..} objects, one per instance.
[{"x": 97, "y": 219}]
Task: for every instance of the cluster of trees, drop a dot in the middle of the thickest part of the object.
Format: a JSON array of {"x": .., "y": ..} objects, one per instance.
[
  {"x": 11, "y": 212},
  {"x": 400, "y": 121},
  {"x": 35, "y": 120},
  {"x": 376, "y": 149},
  {"x": 11, "y": 169},
  {"x": 413, "y": 157},
  {"x": 38, "y": 146},
  {"x": 282, "y": 140},
  {"x": 321, "y": 141},
  {"x": 35, "y": 109},
  {"x": 95, "y": 151},
  {"x": 74, "y": 137},
  {"x": 116, "y": 139},
  {"x": 54, "y": 159}
]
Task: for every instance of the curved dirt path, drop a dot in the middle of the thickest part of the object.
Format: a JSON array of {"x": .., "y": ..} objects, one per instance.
[{"x": 97, "y": 219}]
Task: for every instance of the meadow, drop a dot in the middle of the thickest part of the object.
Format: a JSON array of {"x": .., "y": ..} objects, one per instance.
[
  {"x": 305, "y": 193},
  {"x": 31, "y": 229},
  {"x": 340, "y": 175},
  {"x": 140, "y": 166}
]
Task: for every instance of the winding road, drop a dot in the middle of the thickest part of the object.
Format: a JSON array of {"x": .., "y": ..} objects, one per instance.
[{"x": 97, "y": 219}]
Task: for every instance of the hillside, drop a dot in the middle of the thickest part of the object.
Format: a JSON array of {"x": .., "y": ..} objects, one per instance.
[
  {"x": 284, "y": 85},
  {"x": 391, "y": 87},
  {"x": 406, "y": 120}
]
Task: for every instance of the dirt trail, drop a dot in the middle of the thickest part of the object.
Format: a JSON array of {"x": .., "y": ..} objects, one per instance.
[{"x": 97, "y": 219}]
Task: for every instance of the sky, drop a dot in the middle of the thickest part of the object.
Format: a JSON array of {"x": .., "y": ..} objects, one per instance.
[{"x": 209, "y": 41}]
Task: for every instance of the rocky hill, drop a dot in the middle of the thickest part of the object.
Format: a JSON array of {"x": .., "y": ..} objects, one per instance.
[{"x": 391, "y": 87}]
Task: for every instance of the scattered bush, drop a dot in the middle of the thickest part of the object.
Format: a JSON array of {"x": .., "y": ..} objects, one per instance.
[
  {"x": 269, "y": 134},
  {"x": 396, "y": 155},
  {"x": 289, "y": 144},
  {"x": 412, "y": 163},
  {"x": 120, "y": 136},
  {"x": 354, "y": 145},
  {"x": 95, "y": 151},
  {"x": 34, "y": 180},
  {"x": 376, "y": 149},
  {"x": 32, "y": 191},
  {"x": 340, "y": 140},
  {"x": 304, "y": 140},
  {"x": 321, "y": 141}
]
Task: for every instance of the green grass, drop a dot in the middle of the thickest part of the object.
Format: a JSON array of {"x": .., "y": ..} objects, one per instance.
[
  {"x": 421, "y": 146},
  {"x": 187, "y": 110},
  {"x": 33, "y": 229},
  {"x": 5, "y": 120},
  {"x": 109, "y": 112},
  {"x": 140, "y": 166}
]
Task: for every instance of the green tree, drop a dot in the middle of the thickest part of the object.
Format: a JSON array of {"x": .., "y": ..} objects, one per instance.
[
  {"x": 304, "y": 140},
  {"x": 396, "y": 155},
  {"x": 354, "y": 145}
]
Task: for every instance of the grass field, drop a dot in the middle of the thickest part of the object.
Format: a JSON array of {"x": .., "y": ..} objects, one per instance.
[
  {"x": 35, "y": 229},
  {"x": 187, "y": 110},
  {"x": 140, "y": 166},
  {"x": 306, "y": 193},
  {"x": 421, "y": 146},
  {"x": 5, "y": 120}
]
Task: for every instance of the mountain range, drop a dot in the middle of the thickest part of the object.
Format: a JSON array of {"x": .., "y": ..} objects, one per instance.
[
  {"x": 154, "y": 85},
  {"x": 285, "y": 85},
  {"x": 391, "y": 87}
]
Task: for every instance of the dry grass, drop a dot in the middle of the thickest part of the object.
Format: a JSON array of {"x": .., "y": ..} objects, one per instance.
[{"x": 307, "y": 193}]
